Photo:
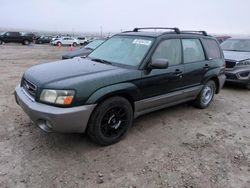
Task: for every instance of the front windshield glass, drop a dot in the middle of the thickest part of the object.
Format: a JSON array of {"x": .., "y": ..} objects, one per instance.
[
  {"x": 236, "y": 45},
  {"x": 124, "y": 50},
  {"x": 93, "y": 45}
]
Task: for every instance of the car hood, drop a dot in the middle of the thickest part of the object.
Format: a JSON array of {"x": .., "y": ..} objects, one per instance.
[
  {"x": 47, "y": 73},
  {"x": 236, "y": 56},
  {"x": 77, "y": 53}
]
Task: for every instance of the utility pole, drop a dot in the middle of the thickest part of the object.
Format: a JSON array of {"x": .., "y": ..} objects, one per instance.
[{"x": 101, "y": 30}]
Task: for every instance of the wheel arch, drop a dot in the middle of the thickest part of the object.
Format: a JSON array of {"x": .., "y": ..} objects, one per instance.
[
  {"x": 216, "y": 81},
  {"x": 128, "y": 91}
]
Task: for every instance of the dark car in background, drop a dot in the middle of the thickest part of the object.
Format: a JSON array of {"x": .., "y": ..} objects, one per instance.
[
  {"x": 222, "y": 38},
  {"x": 16, "y": 37},
  {"x": 84, "y": 51},
  {"x": 31, "y": 35},
  {"x": 237, "y": 57},
  {"x": 43, "y": 40}
]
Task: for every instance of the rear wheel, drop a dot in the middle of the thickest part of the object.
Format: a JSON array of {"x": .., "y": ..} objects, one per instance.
[
  {"x": 206, "y": 95},
  {"x": 59, "y": 44},
  {"x": 74, "y": 44},
  {"x": 110, "y": 121},
  {"x": 248, "y": 86},
  {"x": 26, "y": 42}
]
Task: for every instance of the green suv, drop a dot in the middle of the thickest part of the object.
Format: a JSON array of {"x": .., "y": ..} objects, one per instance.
[{"x": 130, "y": 74}]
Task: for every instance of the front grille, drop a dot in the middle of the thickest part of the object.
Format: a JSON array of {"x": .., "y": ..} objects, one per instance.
[
  {"x": 29, "y": 87},
  {"x": 231, "y": 76},
  {"x": 230, "y": 64}
]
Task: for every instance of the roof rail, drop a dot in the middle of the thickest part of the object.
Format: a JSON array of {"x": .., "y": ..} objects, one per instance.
[
  {"x": 199, "y": 32},
  {"x": 143, "y": 28}
]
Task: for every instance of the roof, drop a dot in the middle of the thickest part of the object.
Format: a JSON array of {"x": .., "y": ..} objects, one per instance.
[{"x": 155, "y": 33}]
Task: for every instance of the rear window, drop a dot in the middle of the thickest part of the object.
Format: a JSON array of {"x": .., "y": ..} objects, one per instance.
[
  {"x": 212, "y": 48},
  {"x": 192, "y": 50}
]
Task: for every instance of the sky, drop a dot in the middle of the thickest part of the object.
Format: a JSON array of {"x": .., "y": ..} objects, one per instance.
[{"x": 214, "y": 16}]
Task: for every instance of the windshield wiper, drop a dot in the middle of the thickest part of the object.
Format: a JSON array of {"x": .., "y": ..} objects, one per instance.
[
  {"x": 88, "y": 48},
  {"x": 236, "y": 50},
  {"x": 101, "y": 61}
]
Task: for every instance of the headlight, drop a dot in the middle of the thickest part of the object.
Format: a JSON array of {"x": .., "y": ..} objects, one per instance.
[
  {"x": 63, "y": 97},
  {"x": 244, "y": 63}
]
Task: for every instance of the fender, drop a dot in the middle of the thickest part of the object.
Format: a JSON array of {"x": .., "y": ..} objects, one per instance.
[
  {"x": 218, "y": 75},
  {"x": 122, "y": 88},
  {"x": 210, "y": 74}
]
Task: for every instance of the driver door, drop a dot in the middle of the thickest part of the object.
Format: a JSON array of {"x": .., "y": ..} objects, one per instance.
[
  {"x": 160, "y": 87},
  {"x": 162, "y": 81}
]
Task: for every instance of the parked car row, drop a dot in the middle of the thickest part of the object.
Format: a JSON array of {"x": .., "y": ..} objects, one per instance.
[{"x": 27, "y": 38}]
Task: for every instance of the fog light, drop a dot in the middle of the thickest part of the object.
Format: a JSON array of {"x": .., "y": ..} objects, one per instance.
[
  {"x": 244, "y": 74},
  {"x": 45, "y": 125}
]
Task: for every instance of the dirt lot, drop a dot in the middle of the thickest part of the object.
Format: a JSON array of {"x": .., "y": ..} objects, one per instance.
[{"x": 177, "y": 147}]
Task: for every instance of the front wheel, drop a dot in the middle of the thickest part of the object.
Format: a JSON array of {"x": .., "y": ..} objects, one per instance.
[
  {"x": 74, "y": 44},
  {"x": 206, "y": 95},
  {"x": 110, "y": 121}
]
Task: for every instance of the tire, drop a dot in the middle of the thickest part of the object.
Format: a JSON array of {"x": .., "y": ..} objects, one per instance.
[
  {"x": 248, "y": 86},
  {"x": 206, "y": 95},
  {"x": 85, "y": 43},
  {"x": 110, "y": 121},
  {"x": 26, "y": 42},
  {"x": 59, "y": 44},
  {"x": 74, "y": 44},
  {"x": 1, "y": 42},
  {"x": 40, "y": 42}
]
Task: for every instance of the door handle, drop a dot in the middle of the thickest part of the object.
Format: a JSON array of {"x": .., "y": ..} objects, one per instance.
[
  {"x": 206, "y": 67},
  {"x": 178, "y": 72}
]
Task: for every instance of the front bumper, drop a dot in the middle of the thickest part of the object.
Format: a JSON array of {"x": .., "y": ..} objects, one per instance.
[
  {"x": 238, "y": 76},
  {"x": 54, "y": 119}
]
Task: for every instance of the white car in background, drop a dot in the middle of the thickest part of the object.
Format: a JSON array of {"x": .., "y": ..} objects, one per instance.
[
  {"x": 83, "y": 40},
  {"x": 65, "y": 41}
]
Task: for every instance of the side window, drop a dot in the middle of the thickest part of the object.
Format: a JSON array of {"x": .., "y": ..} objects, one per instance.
[
  {"x": 212, "y": 48},
  {"x": 192, "y": 50},
  {"x": 169, "y": 49}
]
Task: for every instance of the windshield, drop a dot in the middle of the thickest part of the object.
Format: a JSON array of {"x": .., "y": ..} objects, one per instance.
[
  {"x": 124, "y": 50},
  {"x": 93, "y": 45},
  {"x": 236, "y": 45}
]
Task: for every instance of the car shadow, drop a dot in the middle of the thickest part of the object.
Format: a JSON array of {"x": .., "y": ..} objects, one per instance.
[{"x": 233, "y": 86}]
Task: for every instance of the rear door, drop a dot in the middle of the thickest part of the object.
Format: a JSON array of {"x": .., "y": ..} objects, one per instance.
[
  {"x": 71, "y": 41},
  {"x": 195, "y": 65},
  {"x": 64, "y": 40},
  {"x": 163, "y": 81}
]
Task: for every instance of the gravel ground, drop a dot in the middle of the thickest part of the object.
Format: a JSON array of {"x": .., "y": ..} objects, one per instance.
[{"x": 176, "y": 147}]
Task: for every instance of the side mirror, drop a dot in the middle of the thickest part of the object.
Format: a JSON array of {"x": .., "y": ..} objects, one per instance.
[{"x": 159, "y": 64}]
